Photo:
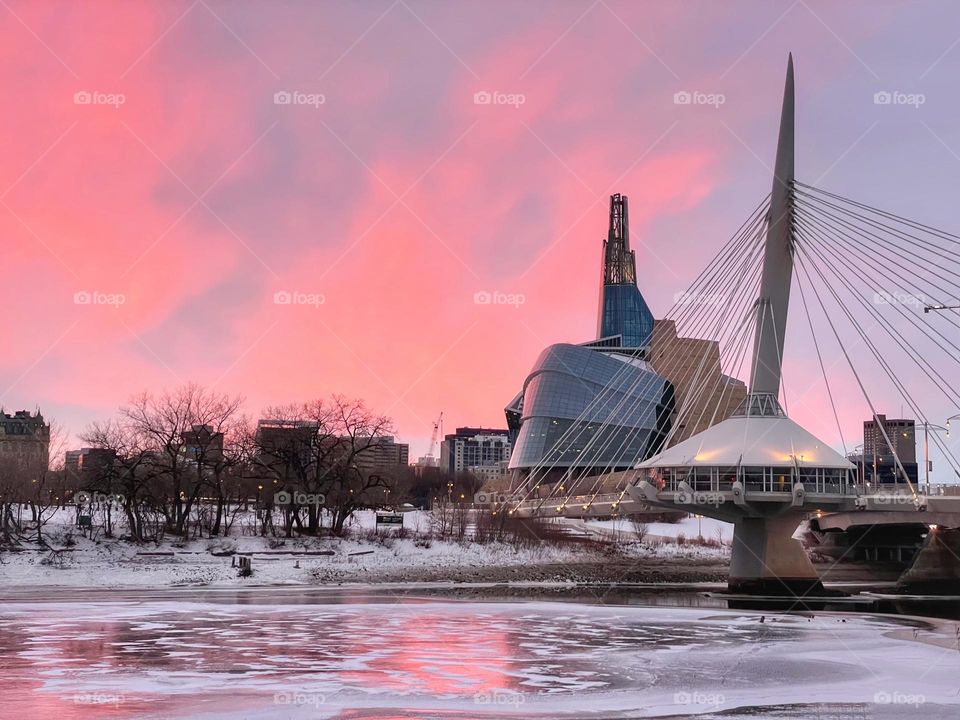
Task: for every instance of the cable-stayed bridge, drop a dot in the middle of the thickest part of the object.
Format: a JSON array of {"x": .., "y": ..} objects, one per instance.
[{"x": 863, "y": 277}]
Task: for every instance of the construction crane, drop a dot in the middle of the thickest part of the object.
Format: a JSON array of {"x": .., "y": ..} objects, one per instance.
[{"x": 437, "y": 431}]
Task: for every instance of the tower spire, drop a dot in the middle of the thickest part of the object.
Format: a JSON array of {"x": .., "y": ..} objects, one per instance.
[
  {"x": 775, "y": 281},
  {"x": 619, "y": 263},
  {"x": 623, "y": 311}
]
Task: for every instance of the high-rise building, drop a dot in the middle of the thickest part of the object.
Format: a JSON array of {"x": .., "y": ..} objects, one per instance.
[
  {"x": 471, "y": 447},
  {"x": 902, "y": 434},
  {"x": 24, "y": 440},
  {"x": 878, "y": 463},
  {"x": 382, "y": 454}
]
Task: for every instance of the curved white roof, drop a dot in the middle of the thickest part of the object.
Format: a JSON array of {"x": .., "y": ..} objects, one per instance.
[{"x": 751, "y": 441}]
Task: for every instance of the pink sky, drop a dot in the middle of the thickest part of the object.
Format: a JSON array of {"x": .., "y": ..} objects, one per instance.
[{"x": 398, "y": 198}]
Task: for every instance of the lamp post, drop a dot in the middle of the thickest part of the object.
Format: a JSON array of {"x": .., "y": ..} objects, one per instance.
[
  {"x": 952, "y": 417},
  {"x": 926, "y": 446},
  {"x": 928, "y": 308},
  {"x": 861, "y": 464}
]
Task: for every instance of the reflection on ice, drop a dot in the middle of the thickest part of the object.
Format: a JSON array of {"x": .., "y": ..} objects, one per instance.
[{"x": 452, "y": 659}]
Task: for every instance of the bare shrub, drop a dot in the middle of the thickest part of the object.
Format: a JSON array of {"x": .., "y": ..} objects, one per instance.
[{"x": 640, "y": 529}]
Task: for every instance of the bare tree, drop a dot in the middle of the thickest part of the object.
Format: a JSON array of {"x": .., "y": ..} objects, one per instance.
[
  {"x": 325, "y": 447},
  {"x": 46, "y": 481},
  {"x": 123, "y": 471},
  {"x": 13, "y": 478},
  {"x": 168, "y": 449},
  {"x": 214, "y": 445},
  {"x": 353, "y": 481}
]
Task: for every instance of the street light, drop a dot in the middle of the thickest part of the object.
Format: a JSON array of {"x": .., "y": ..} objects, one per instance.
[
  {"x": 926, "y": 446},
  {"x": 928, "y": 308},
  {"x": 952, "y": 417}
]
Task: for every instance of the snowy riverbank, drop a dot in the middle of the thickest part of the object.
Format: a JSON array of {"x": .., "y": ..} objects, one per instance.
[{"x": 363, "y": 558}]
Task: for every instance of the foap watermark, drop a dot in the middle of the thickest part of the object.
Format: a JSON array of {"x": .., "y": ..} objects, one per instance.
[
  {"x": 299, "y": 698},
  {"x": 698, "y": 697},
  {"x": 695, "y": 298},
  {"x": 899, "y": 297},
  {"x": 488, "y": 97},
  {"x": 499, "y": 698},
  {"x": 899, "y": 698},
  {"x": 83, "y": 497},
  {"x": 491, "y": 498},
  {"x": 893, "y": 499},
  {"x": 484, "y": 297},
  {"x": 96, "y": 97},
  {"x": 299, "y": 498},
  {"x": 896, "y": 97},
  {"x": 296, "y": 97},
  {"x": 295, "y": 297},
  {"x": 695, "y": 497},
  {"x": 95, "y": 297},
  {"x": 696, "y": 97},
  {"x": 99, "y": 698}
]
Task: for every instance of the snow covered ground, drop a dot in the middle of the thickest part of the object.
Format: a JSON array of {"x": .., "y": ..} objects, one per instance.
[
  {"x": 689, "y": 527},
  {"x": 115, "y": 563},
  {"x": 442, "y": 659}
]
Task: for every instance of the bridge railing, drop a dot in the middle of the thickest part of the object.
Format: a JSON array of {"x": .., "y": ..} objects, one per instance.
[
  {"x": 827, "y": 481},
  {"x": 573, "y": 502},
  {"x": 939, "y": 490}
]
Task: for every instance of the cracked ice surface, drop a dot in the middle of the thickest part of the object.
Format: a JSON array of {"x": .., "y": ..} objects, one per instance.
[{"x": 449, "y": 659}]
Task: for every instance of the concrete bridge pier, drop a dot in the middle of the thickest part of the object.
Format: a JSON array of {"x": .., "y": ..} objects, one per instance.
[
  {"x": 936, "y": 568},
  {"x": 767, "y": 560}
]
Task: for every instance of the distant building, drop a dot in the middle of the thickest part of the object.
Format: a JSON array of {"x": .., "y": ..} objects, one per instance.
[
  {"x": 883, "y": 469},
  {"x": 426, "y": 465},
  {"x": 202, "y": 442},
  {"x": 491, "y": 476},
  {"x": 879, "y": 460},
  {"x": 25, "y": 440},
  {"x": 383, "y": 454},
  {"x": 88, "y": 465},
  {"x": 902, "y": 434},
  {"x": 282, "y": 445},
  {"x": 471, "y": 447}
]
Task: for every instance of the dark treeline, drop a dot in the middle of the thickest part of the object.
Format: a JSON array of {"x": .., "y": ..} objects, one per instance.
[{"x": 189, "y": 463}]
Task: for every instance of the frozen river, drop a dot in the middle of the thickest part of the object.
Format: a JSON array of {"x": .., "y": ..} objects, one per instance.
[{"x": 295, "y": 654}]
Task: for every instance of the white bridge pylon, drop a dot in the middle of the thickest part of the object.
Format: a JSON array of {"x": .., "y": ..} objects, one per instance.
[{"x": 758, "y": 468}]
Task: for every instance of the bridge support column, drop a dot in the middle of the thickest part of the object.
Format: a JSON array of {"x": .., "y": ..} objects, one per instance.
[
  {"x": 936, "y": 568},
  {"x": 766, "y": 560}
]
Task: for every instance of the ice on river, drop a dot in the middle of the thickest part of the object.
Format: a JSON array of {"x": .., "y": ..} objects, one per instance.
[{"x": 409, "y": 658}]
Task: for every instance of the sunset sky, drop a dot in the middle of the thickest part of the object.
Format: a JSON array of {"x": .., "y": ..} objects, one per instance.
[{"x": 149, "y": 162}]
